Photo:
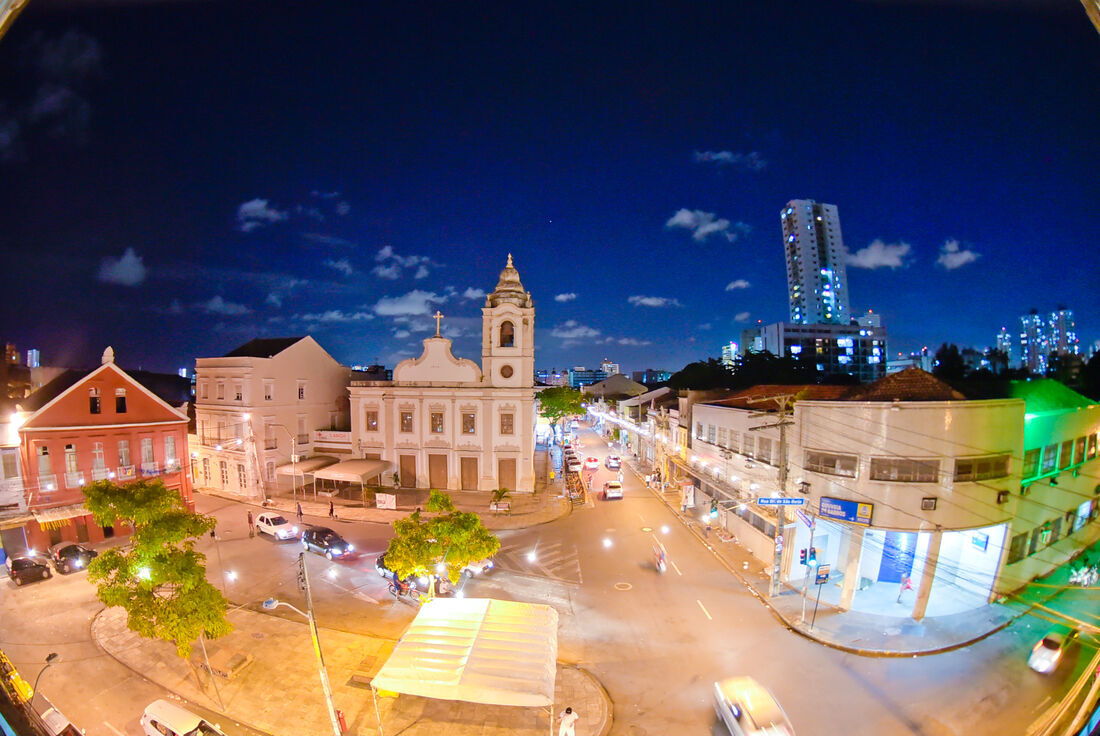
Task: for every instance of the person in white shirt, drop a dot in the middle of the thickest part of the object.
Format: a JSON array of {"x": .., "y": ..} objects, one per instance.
[{"x": 568, "y": 718}]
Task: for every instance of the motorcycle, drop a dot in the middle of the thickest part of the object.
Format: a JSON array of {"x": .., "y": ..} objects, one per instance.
[{"x": 660, "y": 560}]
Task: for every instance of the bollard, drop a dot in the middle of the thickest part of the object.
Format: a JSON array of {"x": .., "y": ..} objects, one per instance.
[{"x": 343, "y": 721}]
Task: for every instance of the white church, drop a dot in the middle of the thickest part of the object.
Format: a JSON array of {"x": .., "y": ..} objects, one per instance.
[{"x": 446, "y": 423}]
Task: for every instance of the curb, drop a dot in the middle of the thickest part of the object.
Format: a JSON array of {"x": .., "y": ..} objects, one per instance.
[
  {"x": 793, "y": 628},
  {"x": 609, "y": 719}
]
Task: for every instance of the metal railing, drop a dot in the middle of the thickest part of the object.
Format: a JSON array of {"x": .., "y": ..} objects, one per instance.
[
  {"x": 100, "y": 473},
  {"x": 47, "y": 482},
  {"x": 125, "y": 472},
  {"x": 74, "y": 480},
  {"x": 150, "y": 469}
]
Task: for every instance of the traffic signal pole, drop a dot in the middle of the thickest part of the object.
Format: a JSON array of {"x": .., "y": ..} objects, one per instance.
[
  {"x": 808, "y": 568},
  {"x": 786, "y": 404}
]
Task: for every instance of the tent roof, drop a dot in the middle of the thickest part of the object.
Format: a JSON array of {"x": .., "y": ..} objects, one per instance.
[
  {"x": 477, "y": 650},
  {"x": 353, "y": 471},
  {"x": 306, "y": 466}
]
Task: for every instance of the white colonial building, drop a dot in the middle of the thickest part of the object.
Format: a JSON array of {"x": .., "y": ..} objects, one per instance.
[
  {"x": 444, "y": 422},
  {"x": 258, "y": 405}
]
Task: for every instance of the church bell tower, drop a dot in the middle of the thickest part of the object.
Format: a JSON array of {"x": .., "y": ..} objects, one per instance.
[{"x": 508, "y": 333}]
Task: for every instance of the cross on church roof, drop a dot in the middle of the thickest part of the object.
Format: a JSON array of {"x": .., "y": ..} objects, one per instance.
[{"x": 437, "y": 316}]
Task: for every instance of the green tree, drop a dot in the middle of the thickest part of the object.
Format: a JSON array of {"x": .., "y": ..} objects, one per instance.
[
  {"x": 158, "y": 577},
  {"x": 702, "y": 375},
  {"x": 439, "y": 545},
  {"x": 559, "y": 402},
  {"x": 948, "y": 364},
  {"x": 1090, "y": 378}
]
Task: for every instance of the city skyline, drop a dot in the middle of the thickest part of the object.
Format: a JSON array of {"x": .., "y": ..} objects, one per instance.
[{"x": 174, "y": 191}]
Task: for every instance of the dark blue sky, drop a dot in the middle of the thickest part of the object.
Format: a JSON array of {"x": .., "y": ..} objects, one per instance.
[{"x": 177, "y": 178}]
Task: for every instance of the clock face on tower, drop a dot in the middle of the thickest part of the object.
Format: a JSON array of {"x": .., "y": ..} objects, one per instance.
[{"x": 506, "y": 371}]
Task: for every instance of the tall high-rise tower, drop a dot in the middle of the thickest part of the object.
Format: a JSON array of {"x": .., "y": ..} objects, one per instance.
[
  {"x": 817, "y": 282},
  {"x": 1063, "y": 332}
]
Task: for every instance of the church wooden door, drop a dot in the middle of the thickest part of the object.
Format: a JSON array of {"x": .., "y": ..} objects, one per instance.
[
  {"x": 407, "y": 471},
  {"x": 469, "y": 473},
  {"x": 506, "y": 473},
  {"x": 437, "y": 472}
]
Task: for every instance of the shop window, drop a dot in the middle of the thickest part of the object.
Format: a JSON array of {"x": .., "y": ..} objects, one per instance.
[
  {"x": 1031, "y": 463},
  {"x": 981, "y": 468},
  {"x": 829, "y": 463},
  {"x": 904, "y": 470}
]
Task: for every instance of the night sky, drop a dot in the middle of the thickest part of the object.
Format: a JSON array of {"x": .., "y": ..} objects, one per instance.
[{"x": 177, "y": 178}]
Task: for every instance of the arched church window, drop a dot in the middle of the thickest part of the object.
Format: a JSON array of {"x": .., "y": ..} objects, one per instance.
[{"x": 507, "y": 335}]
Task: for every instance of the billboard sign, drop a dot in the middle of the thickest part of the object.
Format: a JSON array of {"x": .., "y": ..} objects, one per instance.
[{"x": 853, "y": 511}]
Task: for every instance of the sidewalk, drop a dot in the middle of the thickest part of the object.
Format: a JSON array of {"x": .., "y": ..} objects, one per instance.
[
  {"x": 854, "y": 631},
  {"x": 280, "y": 692},
  {"x": 527, "y": 509}
]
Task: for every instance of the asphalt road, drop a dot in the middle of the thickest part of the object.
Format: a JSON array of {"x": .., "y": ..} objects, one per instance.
[{"x": 656, "y": 641}]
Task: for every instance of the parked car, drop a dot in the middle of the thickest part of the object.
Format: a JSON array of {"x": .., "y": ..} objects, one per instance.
[
  {"x": 480, "y": 567},
  {"x": 573, "y": 466},
  {"x": 1047, "y": 653},
  {"x": 385, "y": 572},
  {"x": 69, "y": 556},
  {"x": 612, "y": 462},
  {"x": 164, "y": 718},
  {"x": 324, "y": 541},
  {"x": 592, "y": 463},
  {"x": 28, "y": 568},
  {"x": 748, "y": 708},
  {"x": 612, "y": 490},
  {"x": 275, "y": 525}
]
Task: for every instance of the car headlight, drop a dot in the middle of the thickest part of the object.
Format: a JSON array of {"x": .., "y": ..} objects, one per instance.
[
  {"x": 293, "y": 530},
  {"x": 79, "y": 562},
  {"x": 350, "y": 547},
  {"x": 489, "y": 565}
]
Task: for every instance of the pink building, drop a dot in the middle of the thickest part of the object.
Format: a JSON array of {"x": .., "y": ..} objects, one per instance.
[{"x": 88, "y": 426}]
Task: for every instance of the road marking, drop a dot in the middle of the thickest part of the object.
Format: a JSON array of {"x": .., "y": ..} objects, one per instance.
[
  {"x": 108, "y": 725},
  {"x": 705, "y": 611},
  {"x": 1040, "y": 705},
  {"x": 676, "y": 569},
  {"x": 642, "y": 518}
]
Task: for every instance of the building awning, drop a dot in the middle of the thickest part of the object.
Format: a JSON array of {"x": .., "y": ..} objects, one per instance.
[
  {"x": 14, "y": 522},
  {"x": 58, "y": 516},
  {"x": 477, "y": 650},
  {"x": 354, "y": 471},
  {"x": 306, "y": 466}
]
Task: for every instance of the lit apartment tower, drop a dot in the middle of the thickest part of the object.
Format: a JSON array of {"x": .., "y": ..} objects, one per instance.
[
  {"x": 1062, "y": 337},
  {"x": 816, "y": 278},
  {"x": 1033, "y": 342},
  {"x": 1004, "y": 343}
]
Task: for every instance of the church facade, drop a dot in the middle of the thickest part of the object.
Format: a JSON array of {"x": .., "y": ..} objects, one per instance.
[{"x": 447, "y": 423}]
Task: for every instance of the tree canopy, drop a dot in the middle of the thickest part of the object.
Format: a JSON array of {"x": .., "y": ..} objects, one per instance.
[
  {"x": 441, "y": 544},
  {"x": 753, "y": 369},
  {"x": 559, "y": 402},
  {"x": 158, "y": 577}
]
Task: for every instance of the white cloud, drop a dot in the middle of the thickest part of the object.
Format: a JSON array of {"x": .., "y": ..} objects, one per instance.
[
  {"x": 323, "y": 239},
  {"x": 653, "y": 301},
  {"x": 342, "y": 265},
  {"x": 632, "y": 341},
  {"x": 342, "y": 208},
  {"x": 217, "y": 305},
  {"x": 421, "y": 272},
  {"x": 128, "y": 270},
  {"x": 401, "y": 334},
  {"x": 704, "y": 326},
  {"x": 952, "y": 256},
  {"x": 738, "y": 284},
  {"x": 415, "y": 302},
  {"x": 391, "y": 271},
  {"x": 274, "y": 300},
  {"x": 741, "y": 317},
  {"x": 473, "y": 293},
  {"x": 704, "y": 224},
  {"x": 256, "y": 213},
  {"x": 566, "y": 297},
  {"x": 336, "y": 315},
  {"x": 571, "y": 330},
  {"x": 879, "y": 255},
  {"x": 751, "y": 161}
]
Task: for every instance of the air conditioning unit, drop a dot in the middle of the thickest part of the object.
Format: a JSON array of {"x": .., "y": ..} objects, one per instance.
[
  {"x": 1024, "y": 490},
  {"x": 1002, "y": 496}
]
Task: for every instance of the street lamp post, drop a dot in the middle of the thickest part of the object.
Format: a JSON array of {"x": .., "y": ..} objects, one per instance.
[
  {"x": 52, "y": 658},
  {"x": 271, "y": 604},
  {"x": 293, "y": 460}
]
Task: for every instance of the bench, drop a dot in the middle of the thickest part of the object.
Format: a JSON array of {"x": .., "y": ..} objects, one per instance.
[{"x": 500, "y": 506}]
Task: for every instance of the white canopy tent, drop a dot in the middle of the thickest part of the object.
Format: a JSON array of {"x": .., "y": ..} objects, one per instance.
[
  {"x": 302, "y": 468},
  {"x": 477, "y": 650},
  {"x": 353, "y": 471}
]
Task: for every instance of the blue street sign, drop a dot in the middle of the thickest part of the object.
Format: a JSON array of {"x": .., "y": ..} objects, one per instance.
[
  {"x": 805, "y": 519},
  {"x": 822, "y": 575},
  {"x": 853, "y": 511},
  {"x": 769, "y": 501}
]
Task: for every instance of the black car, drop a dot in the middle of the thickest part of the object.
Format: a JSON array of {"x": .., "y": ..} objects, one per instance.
[
  {"x": 380, "y": 566},
  {"x": 324, "y": 541},
  {"x": 69, "y": 556},
  {"x": 24, "y": 569}
]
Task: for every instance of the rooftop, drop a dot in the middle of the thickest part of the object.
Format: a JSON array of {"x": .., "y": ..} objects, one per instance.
[{"x": 263, "y": 347}]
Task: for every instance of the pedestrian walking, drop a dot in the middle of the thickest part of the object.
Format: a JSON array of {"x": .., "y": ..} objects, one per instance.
[
  {"x": 299, "y": 513},
  {"x": 331, "y": 510},
  {"x": 251, "y": 525},
  {"x": 706, "y": 530},
  {"x": 568, "y": 720},
  {"x": 906, "y": 584}
]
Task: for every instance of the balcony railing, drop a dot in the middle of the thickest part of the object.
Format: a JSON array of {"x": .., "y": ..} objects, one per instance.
[
  {"x": 47, "y": 482},
  {"x": 100, "y": 474},
  {"x": 271, "y": 443},
  {"x": 171, "y": 465},
  {"x": 150, "y": 469},
  {"x": 126, "y": 472},
  {"x": 74, "y": 480},
  {"x": 222, "y": 443}
]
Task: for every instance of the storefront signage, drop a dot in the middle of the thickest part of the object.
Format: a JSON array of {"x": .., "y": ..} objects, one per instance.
[
  {"x": 769, "y": 501},
  {"x": 385, "y": 501},
  {"x": 853, "y": 511},
  {"x": 822, "y": 575}
]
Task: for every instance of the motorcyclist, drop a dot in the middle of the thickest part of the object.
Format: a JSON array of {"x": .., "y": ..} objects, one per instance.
[{"x": 660, "y": 557}]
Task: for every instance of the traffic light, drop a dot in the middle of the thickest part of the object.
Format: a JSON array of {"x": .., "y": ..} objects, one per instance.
[
  {"x": 812, "y": 561},
  {"x": 802, "y": 556}
]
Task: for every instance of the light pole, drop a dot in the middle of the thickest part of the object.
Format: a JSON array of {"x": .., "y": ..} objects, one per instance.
[
  {"x": 52, "y": 658},
  {"x": 271, "y": 604},
  {"x": 293, "y": 460}
]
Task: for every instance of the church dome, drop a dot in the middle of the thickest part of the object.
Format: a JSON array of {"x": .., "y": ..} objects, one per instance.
[{"x": 509, "y": 289}]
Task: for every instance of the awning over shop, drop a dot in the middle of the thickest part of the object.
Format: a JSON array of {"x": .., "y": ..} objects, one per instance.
[
  {"x": 478, "y": 651},
  {"x": 353, "y": 471},
  {"x": 57, "y": 516},
  {"x": 306, "y": 466},
  {"x": 14, "y": 522}
]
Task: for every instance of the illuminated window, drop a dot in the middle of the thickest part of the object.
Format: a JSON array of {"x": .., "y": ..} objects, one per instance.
[
  {"x": 372, "y": 420},
  {"x": 1079, "y": 451},
  {"x": 1050, "y": 458},
  {"x": 437, "y": 422},
  {"x": 469, "y": 425},
  {"x": 1066, "y": 456},
  {"x": 406, "y": 421}
]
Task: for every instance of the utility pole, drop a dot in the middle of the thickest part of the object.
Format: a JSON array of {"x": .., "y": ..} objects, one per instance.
[
  {"x": 786, "y": 408},
  {"x": 325, "y": 686}
]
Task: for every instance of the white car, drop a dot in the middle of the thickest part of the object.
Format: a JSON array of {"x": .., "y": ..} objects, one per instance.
[
  {"x": 275, "y": 525},
  {"x": 592, "y": 463},
  {"x": 573, "y": 466},
  {"x": 612, "y": 489},
  {"x": 478, "y": 568},
  {"x": 1048, "y": 652},
  {"x": 749, "y": 709},
  {"x": 165, "y": 718}
]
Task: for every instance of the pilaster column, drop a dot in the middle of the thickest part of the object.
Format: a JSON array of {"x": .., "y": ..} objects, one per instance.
[
  {"x": 852, "y": 554},
  {"x": 928, "y": 575}
]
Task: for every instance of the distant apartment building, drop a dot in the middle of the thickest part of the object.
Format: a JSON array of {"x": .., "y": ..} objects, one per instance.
[
  {"x": 1004, "y": 344},
  {"x": 817, "y": 280},
  {"x": 581, "y": 376},
  {"x": 730, "y": 354},
  {"x": 261, "y": 404},
  {"x": 552, "y": 377},
  {"x": 609, "y": 368},
  {"x": 832, "y": 349},
  {"x": 86, "y": 426},
  {"x": 922, "y": 360},
  {"x": 33, "y": 358},
  {"x": 1044, "y": 335},
  {"x": 650, "y": 376},
  {"x": 1063, "y": 332}
]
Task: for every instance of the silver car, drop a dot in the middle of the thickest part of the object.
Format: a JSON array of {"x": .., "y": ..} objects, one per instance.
[{"x": 749, "y": 709}]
